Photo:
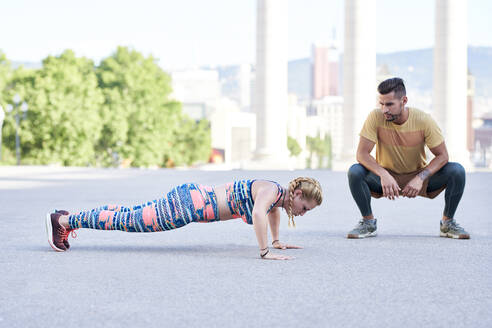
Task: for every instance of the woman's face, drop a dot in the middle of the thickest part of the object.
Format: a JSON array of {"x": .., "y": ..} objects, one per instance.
[{"x": 300, "y": 205}]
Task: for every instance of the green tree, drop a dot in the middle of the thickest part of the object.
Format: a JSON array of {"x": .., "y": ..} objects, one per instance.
[
  {"x": 83, "y": 115},
  {"x": 140, "y": 123},
  {"x": 19, "y": 83},
  {"x": 137, "y": 114},
  {"x": 62, "y": 123},
  {"x": 327, "y": 152},
  {"x": 192, "y": 142},
  {"x": 5, "y": 76},
  {"x": 293, "y": 146},
  {"x": 321, "y": 147}
]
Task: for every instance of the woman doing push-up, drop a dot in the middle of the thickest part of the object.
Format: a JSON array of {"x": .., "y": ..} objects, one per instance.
[{"x": 257, "y": 202}]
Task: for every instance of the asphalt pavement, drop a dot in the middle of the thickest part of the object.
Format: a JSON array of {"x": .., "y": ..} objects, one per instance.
[{"x": 210, "y": 275}]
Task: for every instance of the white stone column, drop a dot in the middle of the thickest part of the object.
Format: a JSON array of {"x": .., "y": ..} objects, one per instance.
[
  {"x": 450, "y": 76},
  {"x": 359, "y": 71},
  {"x": 270, "y": 100}
]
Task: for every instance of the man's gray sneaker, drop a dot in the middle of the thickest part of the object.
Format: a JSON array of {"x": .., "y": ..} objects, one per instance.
[
  {"x": 365, "y": 228},
  {"x": 451, "y": 229}
]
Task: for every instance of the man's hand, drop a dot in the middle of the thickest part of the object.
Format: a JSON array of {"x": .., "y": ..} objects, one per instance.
[
  {"x": 413, "y": 188},
  {"x": 279, "y": 245},
  {"x": 390, "y": 187}
]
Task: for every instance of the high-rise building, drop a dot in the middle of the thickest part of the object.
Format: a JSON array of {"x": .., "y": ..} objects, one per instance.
[{"x": 324, "y": 70}]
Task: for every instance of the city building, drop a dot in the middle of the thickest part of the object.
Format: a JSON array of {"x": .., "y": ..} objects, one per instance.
[
  {"x": 483, "y": 143},
  {"x": 197, "y": 90},
  {"x": 324, "y": 70},
  {"x": 325, "y": 119},
  {"x": 235, "y": 84}
]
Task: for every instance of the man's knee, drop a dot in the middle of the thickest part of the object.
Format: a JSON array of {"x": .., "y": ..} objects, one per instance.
[
  {"x": 356, "y": 172},
  {"x": 456, "y": 170}
]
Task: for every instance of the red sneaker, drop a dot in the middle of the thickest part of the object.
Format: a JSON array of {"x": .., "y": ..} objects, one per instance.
[
  {"x": 68, "y": 231},
  {"x": 56, "y": 232}
]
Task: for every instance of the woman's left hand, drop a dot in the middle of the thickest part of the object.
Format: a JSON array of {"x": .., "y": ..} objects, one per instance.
[{"x": 279, "y": 245}]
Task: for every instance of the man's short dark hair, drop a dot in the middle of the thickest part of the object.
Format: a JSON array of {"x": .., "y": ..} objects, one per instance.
[{"x": 394, "y": 84}]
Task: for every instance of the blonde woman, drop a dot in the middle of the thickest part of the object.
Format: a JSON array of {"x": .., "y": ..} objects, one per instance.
[{"x": 257, "y": 202}]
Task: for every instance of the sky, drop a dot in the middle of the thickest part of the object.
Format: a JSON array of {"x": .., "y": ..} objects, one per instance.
[{"x": 193, "y": 33}]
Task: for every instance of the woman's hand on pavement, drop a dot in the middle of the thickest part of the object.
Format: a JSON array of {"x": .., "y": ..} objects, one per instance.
[{"x": 279, "y": 245}]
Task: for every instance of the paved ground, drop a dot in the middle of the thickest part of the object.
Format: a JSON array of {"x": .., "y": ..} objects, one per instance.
[{"x": 209, "y": 275}]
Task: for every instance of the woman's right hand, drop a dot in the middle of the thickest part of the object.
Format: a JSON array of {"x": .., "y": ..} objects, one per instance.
[{"x": 273, "y": 256}]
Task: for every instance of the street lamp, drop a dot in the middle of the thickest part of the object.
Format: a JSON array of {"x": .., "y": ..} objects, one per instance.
[
  {"x": 16, "y": 99},
  {"x": 9, "y": 108},
  {"x": 23, "y": 108}
]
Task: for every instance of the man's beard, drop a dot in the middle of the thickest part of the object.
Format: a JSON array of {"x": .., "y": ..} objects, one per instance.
[{"x": 394, "y": 116}]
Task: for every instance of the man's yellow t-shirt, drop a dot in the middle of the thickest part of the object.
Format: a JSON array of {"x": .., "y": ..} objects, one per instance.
[{"x": 401, "y": 148}]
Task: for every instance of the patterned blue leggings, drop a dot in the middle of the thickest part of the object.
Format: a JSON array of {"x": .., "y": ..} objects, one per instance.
[{"x": 182, "y": 205}]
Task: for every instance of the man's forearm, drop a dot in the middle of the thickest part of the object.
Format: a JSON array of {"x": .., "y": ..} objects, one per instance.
[
  {"x": 370, "y": 163},
  {"x": 435, "y": 165}
]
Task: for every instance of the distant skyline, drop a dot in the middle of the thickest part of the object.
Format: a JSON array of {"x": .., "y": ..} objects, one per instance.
[{"x": 192, "y": 33}]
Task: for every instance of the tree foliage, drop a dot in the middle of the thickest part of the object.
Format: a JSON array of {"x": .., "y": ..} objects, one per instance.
[
  {"x": 194, "y": 136},
  {"x": 62, "y": 123},
  {"x": 320, "y": 149},
  {"x": 293, "y": 146},
  {"x": 141, "y": 123},
  {"x": 5, "y": 77},
  {"x": 119, "y": 111},
  {"x": 5, "y": 74},
  {"x": 138, "y": 116}
]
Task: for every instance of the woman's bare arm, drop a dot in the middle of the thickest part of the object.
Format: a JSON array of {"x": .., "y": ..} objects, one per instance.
[{"x": 265, "y": 196}]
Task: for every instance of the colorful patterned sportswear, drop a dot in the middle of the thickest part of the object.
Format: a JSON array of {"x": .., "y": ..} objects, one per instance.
[
  {"x": 240, "y": 200},
  {"x": 183, "y": 204}
]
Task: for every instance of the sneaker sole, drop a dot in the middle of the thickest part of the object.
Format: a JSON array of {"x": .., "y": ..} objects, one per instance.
[
  {"x": 448, "y": 235},
  {"x": 49, "y": 232},
  {"x": 369, "y": 234}
]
